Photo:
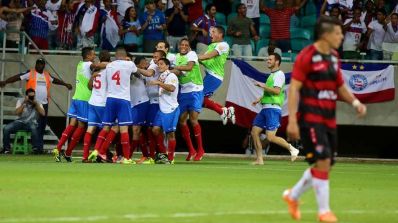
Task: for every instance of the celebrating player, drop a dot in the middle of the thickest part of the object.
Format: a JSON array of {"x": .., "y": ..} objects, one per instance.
[
  {"x": 317, "y": 80},
  {"x": 190, "y": 98},
  {"x": 167, "y": 117},
  {"x": 96, "y": 104},
  {"x": 165, "y": 46},
  {"x": 118, "y": 107},
  {"x": 78, "y": 110},
  {"x": 269, "y": 117},
  {"x": 214, "y": 61}
]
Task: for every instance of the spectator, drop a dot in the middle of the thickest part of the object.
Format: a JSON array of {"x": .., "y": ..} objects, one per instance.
[
  {"x": 223, "y": 6},
  {"x": 28, "y": 110},
  {"x": 123, "y": 5},
  {"x": 14, "y": 17},
  {"x": 38, "y": 25},
  {"x": 253, "y": 12},
  {"x": 380, "y": 4},
  {"x": 52, "y": 7},
  {"x": 109, "y": 26},
  {"x": 240, "y": 29},
  {"x": 86, "y": 24},
  {"x": 39, "y": 80},
  {"x": 161, "y": 5},
  {"x": 395, "y": 9},
  {"x": 66, "y": 18},
  {"x": 201, "y": 28},
  {"x": 390, "y": 42},
  {"x": 153, "y": 23},
  {"x": 353, "y": 28},
  {"x": 271, "y": 48},
  {"x": 280, "y": 23},
  {"x": 368, "y": 14},
  {"x": 131, "y": 29},
  {"x": 177, "y": 18},
  {"x": 376, "y": 35},
  {"x": 195, "y": 9}
]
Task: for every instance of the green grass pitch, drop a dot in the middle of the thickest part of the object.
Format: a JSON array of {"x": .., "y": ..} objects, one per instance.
[{"x": 36, "y": 189}]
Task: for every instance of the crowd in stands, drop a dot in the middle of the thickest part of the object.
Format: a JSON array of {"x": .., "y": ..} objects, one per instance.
[{"x": 254, "y": 27}]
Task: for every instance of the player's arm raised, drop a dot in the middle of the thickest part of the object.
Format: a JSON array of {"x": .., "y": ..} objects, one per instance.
[
  {"x": 147, "y": 73},
  {"x": 346, "y": 96},
  {"x": 293, "y": 95}
]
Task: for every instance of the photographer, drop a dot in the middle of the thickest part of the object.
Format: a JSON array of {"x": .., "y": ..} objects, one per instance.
[{"x": 29, "y": 111}]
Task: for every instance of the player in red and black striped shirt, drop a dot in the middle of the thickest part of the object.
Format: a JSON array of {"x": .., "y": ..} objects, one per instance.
[{"x": 318, "y": 81}]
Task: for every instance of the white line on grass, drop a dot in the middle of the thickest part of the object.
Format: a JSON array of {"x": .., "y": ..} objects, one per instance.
[{"x": 180, "y": 215}]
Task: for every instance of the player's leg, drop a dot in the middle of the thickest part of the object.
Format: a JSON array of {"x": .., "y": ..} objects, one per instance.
[
  {"x": 150, "y": 118},
  {"x": 101, "y": 138},
  {"x": 95, "y": 115},
  {"x": 72, "y": 114},
  {"x": 210, "y": 85},
  {"x": 256, "y": 131},
  {"x": 186, "y": 135},
  {"x": 158, "y": 133},
  {"x": 87, "y": 142},
  {"x": 125, "y": 141},
  {"x": 197, "y": 130},
  {"x": 272, "y": 138},
  {"x": 135, "y": 142},
  {"x": 169, "y": 125}
]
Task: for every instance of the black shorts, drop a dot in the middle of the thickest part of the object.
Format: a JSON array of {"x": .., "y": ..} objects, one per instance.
[{"x": 319, "y": 143}]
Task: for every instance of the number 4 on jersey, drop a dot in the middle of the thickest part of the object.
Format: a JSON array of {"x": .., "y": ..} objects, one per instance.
[{"x": 116, "y": 77}]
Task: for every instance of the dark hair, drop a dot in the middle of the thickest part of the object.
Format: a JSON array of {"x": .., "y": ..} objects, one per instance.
[
  {"x": 325, "y": 24},
  {"x": 336, "y": 7},
  {"x": 396, "y": 14},
  {"x": 127, "y": 14},
  {"x": 166, "y": 44},
  {"x": 238, "y": 6},
  {"x": 104, "y": 56},
  {"x": 277, "y": 57},
  {"x": 86, "y": 51},
  {"x": 208, "y": 7},
  {"x": 184, "y": 39},
  {"x": 165, "y": 60},
  {"x": 138, "y": 59},
  {"x": 382, "y": 11},
  {"x": 30, "y": 90},
  {"x": 162, "y": 53},
  {"x": 41, "y": 61},
  {"x": 220, "y": 29}
]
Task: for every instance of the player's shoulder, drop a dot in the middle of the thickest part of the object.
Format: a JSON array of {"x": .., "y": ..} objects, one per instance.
[
  {"x": 306, "y": 54},
  {"x": 222, "y": 44}
]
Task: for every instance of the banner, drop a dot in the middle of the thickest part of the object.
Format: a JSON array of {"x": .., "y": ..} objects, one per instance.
[
  {"x": 242, "y": 93},
  {"x": 370, "y": 83}
]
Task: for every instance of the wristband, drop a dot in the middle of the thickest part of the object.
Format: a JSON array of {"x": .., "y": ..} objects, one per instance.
[{"x": 356, "y": 103}]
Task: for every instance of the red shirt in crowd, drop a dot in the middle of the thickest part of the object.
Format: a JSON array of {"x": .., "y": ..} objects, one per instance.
[
  {"x": 280, "y": 22},
  {"x": 195, "y": 10}
]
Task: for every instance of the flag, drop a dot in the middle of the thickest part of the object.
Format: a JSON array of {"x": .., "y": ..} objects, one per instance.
[
  {"x": 370, "y": 83},
  {"x": 242, "y": 93}
]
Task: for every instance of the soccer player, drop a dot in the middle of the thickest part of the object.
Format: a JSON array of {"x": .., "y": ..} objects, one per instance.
[
  {"x": 117, "y": 107},
  {"x": 269, "y": 117},
  {"x": 165, "y": 46},
  {"x": 167, "y": 117},
  {"x": 317, "y": 80},
  {"x": 78, "y": 110},
  {"x": 139, "y": 110},
  {"x": 96, "y": 104},
  {"x": 190, "y": 98},
  {"x": 214, "y": 61}
]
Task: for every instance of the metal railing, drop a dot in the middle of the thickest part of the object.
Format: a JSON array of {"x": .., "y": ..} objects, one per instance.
[{"x": 22, "y": 51}]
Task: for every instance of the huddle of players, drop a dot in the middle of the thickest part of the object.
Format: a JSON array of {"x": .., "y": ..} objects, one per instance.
[{"x": 122, "y": 93}]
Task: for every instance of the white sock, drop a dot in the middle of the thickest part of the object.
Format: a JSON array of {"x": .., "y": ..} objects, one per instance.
[
  {"x": 321, "y": 187},
  {"x": 302, "y": 185}
]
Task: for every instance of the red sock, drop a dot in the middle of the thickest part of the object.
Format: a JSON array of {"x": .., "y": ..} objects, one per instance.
[
  {"x": 86, "y": 145},
  {"x": 197, "y": 130},
  {"x": 134, "y": 146},
  {"x": 187, "y": 137},
  {"x": 124, "y": 140},
  {"x": 212, "y": 105},
  {"x": 160, "y": 143},
  {"x": 107, "y": 142},
  {"x": 152, "y": 143},
  {"x": 118, "y": 148},
  {"x": 65, "y": 136},
  {"x": 172, "y": 148},
  {"x": 100, "y": 140},
  {"x": 77, "y": 135},
  {"x": 143, "y": 146}
]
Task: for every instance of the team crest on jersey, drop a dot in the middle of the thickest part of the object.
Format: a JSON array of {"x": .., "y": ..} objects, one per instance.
[{"x": 358, "y": 82}]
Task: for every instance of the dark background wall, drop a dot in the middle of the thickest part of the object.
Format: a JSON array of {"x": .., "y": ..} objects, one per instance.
[{"x": 354, "y": 141}]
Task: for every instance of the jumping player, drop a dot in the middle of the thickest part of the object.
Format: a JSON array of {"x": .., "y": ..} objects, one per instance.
[
  {"x": 317, "y": 80},
  {"x": 214, "y": 62},
  {"x": 190, "y": 98},
  {"x": 269, "y": 117},
  {"x": 167, "y": 117}
]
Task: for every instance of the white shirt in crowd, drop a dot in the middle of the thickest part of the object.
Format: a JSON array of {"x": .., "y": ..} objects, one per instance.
[
  {"x": 279, "y": 81},
  {"x": 390, "y": 42},
  {"x": 118, "y": 75},
  {"x": 138, "y": 91},
  {"x": 153, "y": 91},
  {"x": 168, "y": 100},
  {"x": 253, "y": 8},
  {"x": 52, "y": 13},
  {"x": 396, "y": 9},
  {"x": 353, "y": 35},
  {"x": 98, "y": 93},
  {"x": 123, "y": 5},
  {"x": 41, "y": 87},
  {"x": 377, "y": 36},
  {"x": 191, "y": 87}
]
